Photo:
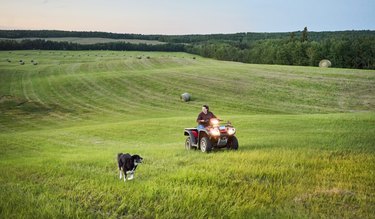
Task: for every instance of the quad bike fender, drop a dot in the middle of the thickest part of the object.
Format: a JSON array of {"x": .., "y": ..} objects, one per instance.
[{"x": 193, "y": 134}]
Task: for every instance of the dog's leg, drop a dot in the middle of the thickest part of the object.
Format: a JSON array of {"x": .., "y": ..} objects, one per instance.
[
  {"x": 125, "y": 176},
  {"x": 131, "y": 175},
  {"x": 120, "y": 173}
]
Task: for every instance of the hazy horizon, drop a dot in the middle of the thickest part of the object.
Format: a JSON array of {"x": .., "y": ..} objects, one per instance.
[{"x": 187, "y": 17}]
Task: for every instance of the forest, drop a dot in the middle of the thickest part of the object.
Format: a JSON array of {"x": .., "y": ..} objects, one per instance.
[{"x": 345, "y": 49}]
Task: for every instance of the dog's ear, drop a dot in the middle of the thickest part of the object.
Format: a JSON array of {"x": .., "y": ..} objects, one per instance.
[{"x": 119, "y": 154}]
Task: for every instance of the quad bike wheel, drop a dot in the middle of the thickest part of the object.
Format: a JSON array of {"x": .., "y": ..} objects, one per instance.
[
  {"x": 188, "y": 143},
  {"x": 206, "y": 145},
  {"x": 233, "y": 143}
]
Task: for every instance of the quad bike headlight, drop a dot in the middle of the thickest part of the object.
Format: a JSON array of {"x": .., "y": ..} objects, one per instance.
[
  {"x": 214, "y": 122},
  {"x": 215, "y": 132},
  {"x": 231, "y": 131}
]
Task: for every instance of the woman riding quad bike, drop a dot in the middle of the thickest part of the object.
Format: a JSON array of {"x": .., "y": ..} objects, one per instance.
[{"x": 211, "y": 136}]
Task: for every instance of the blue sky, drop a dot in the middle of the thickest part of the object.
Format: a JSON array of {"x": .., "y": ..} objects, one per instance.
[{"x": 188, "y": 16}]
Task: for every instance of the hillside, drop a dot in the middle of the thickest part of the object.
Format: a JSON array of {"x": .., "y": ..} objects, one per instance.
[
  {"x": 306, "y": 137},
  {"x": 141, "y": 81}
]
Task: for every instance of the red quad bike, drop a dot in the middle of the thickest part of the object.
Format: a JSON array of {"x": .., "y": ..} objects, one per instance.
[{"x": 213, "y": 136}]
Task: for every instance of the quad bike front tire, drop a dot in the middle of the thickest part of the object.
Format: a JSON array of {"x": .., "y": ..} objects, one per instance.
[
  {"x": 233, "y": 143},
  {"x": 206, "y": 145}
]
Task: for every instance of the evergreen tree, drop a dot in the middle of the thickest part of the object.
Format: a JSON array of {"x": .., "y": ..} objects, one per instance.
[
  {"x": 304, "y": 35},
  {"x": 292, "y": 36}
]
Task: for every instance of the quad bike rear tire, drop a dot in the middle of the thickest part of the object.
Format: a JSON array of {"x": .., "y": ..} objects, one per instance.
[{"x": 188, "y": 143}]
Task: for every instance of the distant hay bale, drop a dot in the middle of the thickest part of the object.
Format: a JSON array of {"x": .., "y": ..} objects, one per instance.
[
  {"x": 22, "y": 63},
  {"x": 139, "y": 57},
  {"x": 185, "y": 97},
  {"x": 194, "y": 57},
  {"x": 35, "y": 63},
  {"x": 325, "y": 63}
]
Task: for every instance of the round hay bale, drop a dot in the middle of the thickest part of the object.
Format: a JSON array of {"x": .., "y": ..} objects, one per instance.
[
  {"x": 185, "y": 97},
  {"x": 325, "y": 63}
]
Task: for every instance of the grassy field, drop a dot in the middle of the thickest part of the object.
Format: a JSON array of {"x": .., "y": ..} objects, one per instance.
[
  {"x": 306, "y": 136},
  {"x": 90, "y": 40}
]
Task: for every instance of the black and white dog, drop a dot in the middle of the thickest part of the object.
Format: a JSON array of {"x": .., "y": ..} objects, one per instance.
[{"x": 128, "y": 164}]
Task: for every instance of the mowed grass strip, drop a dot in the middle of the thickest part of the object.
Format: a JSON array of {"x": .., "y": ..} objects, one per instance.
[
  {"x": 306, "y": 137},
  {"x": 112, "y": 83}
]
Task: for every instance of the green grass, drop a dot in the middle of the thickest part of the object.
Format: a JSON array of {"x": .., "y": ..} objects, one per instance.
[{"x": 306, "y": 138}]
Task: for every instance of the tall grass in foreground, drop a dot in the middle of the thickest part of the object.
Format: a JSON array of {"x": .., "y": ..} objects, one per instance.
[
  {"x": 304, "y": 166},
  {"x": 306, "y": 138}
]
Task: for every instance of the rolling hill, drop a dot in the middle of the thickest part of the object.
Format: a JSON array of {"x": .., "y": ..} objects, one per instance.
[{"x": 306, "y": 137}]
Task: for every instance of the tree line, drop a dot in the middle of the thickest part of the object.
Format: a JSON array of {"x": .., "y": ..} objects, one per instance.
[
  {"x": 191, "y": 38},
  {"x": 41, "y": 44},
  {"x": 14, "y": 34},
  {"x": 345, "y": 49},
  {"x": 343, "y": 53}
]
